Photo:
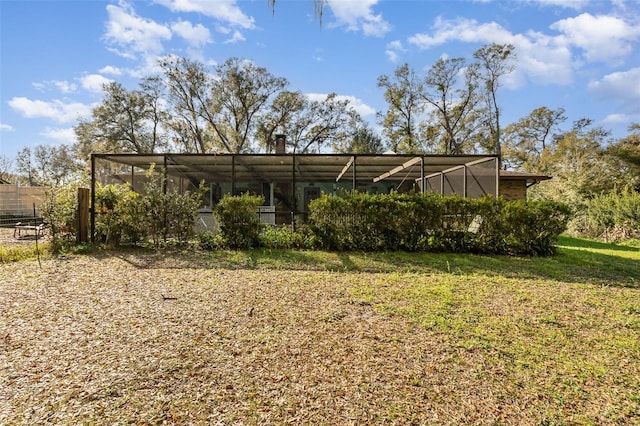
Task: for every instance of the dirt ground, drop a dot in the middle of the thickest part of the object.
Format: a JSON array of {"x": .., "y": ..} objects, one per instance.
[{"x": 9, "y": 236}]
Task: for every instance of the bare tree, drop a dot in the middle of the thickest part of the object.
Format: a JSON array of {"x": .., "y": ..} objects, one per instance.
[
  {"x": 526, "y": 139},
  {"x": 241, "y": 94},
  {"x": 495, "y": 61},
  {"x": 285, "y": 108},
  {"x": 125, "y": 121},
  {"x": 47, "y": 165},
  {"x": 453, "y": 103},
  {"x": 189, "y": 95},
  {"x": 404, "y": 93},
  {"x": 322, "y": 123},
  {"x": 6, "y": 166}
]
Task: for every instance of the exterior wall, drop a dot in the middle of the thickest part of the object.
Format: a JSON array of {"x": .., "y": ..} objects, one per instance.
[
  {"x": 19, "y": 200},
  {"x": 513, "y": 189}
]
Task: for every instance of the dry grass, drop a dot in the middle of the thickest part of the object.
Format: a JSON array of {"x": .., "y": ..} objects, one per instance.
[{"x": 178, "y": 338}]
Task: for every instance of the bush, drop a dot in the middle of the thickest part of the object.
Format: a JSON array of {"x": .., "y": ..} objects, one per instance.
[
  {"x": 286, "y": 237},
  {"x": 614, "y": 216},
  {"x": 115, "y": 214},
  {"x": 211, "y": 241},
  {"x": 429, "y": 222},
  {"x": 124, "y": 216},
  {"x": 169, "y": 213},
  {"x": 532, "y": 228},
  {"x": 238, "y": 223},
  {"x": 60, "y": 211}
]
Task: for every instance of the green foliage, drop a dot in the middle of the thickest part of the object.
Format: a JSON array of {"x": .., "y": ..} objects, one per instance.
[
  {"x": 614, "y": 216},
  {"x": 18, "y": 253},
  {"x": 167, "y": 212},
  {"x": 124, "y": 216},
  {"x": 533, "y": 227},
  {"x": 428, "y": 222},
  {"x": 286, "y": 237},
  {"x": 237, "y": 220},
  {"x": 211, "y": 241},
  {"x": 115, "y": 214},
  {"x": 59, "y": 209}
]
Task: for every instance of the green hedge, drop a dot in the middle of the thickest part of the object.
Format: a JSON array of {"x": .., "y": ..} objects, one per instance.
[
  {"x": 238, "y": 222},
  {"x": 429, "y": 222},
  {"x": 614, "y": 216},
  {"x": 126, "y": 217}
]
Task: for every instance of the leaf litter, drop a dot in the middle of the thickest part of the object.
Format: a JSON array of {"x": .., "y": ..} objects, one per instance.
[{"x": 147, "y": 340}]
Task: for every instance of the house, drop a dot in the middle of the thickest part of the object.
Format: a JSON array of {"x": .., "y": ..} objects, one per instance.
[
  {"x": 514, "y": 185},
  {"x": 288, "y": 182}
]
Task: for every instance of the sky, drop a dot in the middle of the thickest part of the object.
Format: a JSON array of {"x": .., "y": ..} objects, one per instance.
[{"x": 55, "y": 55}]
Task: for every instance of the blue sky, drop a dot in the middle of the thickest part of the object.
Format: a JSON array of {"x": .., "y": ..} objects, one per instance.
[{"x": 55, "y": 55}]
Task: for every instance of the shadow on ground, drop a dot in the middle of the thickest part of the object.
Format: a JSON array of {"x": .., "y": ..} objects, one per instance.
[{"x": 576, "y": 261}]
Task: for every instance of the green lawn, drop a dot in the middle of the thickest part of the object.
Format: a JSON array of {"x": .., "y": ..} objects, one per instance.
[{"x": 275, "y": 337}]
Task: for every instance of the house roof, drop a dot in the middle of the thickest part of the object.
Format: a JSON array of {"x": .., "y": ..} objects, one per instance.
[
  {"x": 309, "y": 167},
  {"x": 530, "y": 178}
]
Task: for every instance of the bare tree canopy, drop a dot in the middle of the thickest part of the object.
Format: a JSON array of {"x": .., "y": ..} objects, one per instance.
[
  {"x": 241, "y": 94},
  {"x": 47, "y": 165},
  {"x": 495, "y": 61},
  {"x": 453, "y": 110},
  {"x": 526, "y": 139},
  {"x": 404, "y": 93},
  {"x": 125, "y": 121},
  {"x": 453, "y": 105}
]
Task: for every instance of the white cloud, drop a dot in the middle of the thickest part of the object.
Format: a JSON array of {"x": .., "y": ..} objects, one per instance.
[
  {"x": 602, "y": 38},
  {"x": 461, "y": 29},
  {"x": 65, "y": 86},
  {"x": 357, "y": 104},
  {"x": 131, "y": 33},
  {"x": 195, "y": 36},
  {"x": 6, "y": 127},
  {"x": 358, "y": 15},
  {"x": 623, "y": 87},
  {"x": 66, "y": 135},
  {"x": 617, "y": 119},
  {"x": 94, "y": 82},
  {"x": 318, "y": 56},
  {"x": 570, "y": 4},
  {"x": 541, "y": 58},
  {"x": 393, "y": 50},
  {"x": 60, "y": 85},
  {"x": 56, "y": 110},
  {"x": 110, "y": 70},
  {"x": 222, "y": 10},
  {"x": 235, "y": 37}
]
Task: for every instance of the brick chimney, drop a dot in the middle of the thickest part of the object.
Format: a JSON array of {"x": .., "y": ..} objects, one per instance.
[{"x": 281, "y": 143}]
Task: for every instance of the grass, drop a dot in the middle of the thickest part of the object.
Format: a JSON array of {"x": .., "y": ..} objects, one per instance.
[{"x": 277, "y": 336}]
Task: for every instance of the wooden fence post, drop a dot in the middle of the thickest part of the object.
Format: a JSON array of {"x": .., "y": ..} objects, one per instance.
[{"x": 83, "y": 215}]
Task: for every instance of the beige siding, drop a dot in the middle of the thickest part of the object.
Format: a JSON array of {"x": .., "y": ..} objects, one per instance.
[
  {"x": 19, "y": 200},
  {"x": 513, "y": 189}
]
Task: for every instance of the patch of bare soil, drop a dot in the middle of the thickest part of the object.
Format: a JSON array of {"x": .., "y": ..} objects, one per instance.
[{"x": 131, "y": 339}]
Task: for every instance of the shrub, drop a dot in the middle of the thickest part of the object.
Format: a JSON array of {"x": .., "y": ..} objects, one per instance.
[
  {"x": 614, "y": 216},
  {"x": 60, "y": 211},
  {"x": 238, "y": 223},
  {"x": 211, "y": 241},
  {"x": 532, "y": 228},
  {"x": 429, "y": 222},
  {"x": 114, "y": 217},
  {"x": 286, "y": 237},
  {"x": 124, "y": 216},
  {"x": 178, "y": 212}
]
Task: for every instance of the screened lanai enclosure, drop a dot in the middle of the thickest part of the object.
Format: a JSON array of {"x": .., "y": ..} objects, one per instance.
[{"x": 288, "y": 182}]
